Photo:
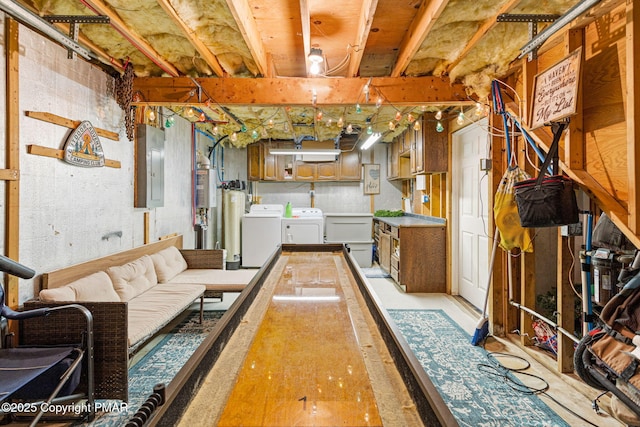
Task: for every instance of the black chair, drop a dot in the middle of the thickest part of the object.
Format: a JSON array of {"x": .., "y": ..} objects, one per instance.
[{"x": 35, "y": 378}]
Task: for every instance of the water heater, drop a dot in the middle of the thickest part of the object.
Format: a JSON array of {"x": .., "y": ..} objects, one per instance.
[{"x": 205, "y": 188}]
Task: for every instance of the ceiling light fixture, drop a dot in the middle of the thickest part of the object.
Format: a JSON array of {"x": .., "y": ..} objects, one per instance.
[
  {"x": 309, "y": 151},
  {"x": 315, "y": 58},
  {"x": 373, "y": 138}
]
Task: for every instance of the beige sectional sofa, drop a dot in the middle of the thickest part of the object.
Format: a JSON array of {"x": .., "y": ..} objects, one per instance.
[{"x": 132, "y": 295}]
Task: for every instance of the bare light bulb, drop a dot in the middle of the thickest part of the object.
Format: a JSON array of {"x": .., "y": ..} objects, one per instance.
[{"x": 314, "y": 68}]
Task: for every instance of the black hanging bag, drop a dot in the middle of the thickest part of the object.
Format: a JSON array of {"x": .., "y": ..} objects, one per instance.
[{"x": 547, "y": 201}]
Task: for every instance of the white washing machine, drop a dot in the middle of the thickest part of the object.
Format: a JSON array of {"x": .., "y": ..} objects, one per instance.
[
  {"x": 305, "y": 226},
  {"x": 261, "y": 233}
]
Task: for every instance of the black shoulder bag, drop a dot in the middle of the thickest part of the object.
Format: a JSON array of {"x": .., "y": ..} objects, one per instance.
[{"x": 547, "y": 201}]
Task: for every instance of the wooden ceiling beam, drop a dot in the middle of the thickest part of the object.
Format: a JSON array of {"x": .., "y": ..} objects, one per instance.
[
  {"x": 482, "y": 31},
  {"x": 241, "y": 12},
  {"x": 365, "y": 20},
  {"x": 299, "y": 91},
  {"x": 426, "y": 17},
  {"x": 305, "y": 19},
  {"x": 138, "y": 42},
  {"x": 189, "y": 34}
]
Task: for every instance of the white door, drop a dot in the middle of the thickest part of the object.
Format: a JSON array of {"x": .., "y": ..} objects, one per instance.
[{"x": 470, "y": 213}]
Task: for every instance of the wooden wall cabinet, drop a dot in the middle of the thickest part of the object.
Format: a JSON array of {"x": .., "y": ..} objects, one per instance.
[
  {"x": 350, "y": 163},
  {"x": 431, "y": 150},
  {"x": 393, "y": 156},
  {"x": 262, "y": 166},
  {"x": 254, "y": 162}
]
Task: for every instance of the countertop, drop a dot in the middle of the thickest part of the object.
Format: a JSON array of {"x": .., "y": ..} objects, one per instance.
[{"x": 412, "y": 221}]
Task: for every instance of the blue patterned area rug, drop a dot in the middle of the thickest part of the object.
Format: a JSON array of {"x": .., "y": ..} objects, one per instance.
[
  {"x": 475, "y": 397},
  {"x": 159, "y": 365}
]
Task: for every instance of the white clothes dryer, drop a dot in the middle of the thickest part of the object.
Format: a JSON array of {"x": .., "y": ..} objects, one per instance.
[{"x": 305, "y": 226}]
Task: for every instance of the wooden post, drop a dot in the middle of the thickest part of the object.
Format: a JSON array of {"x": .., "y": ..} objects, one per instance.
[
  {"x": 527, "y": 259},
  {"x": 633, "y": 106},
  {"x": 147, "y": 237},
  {"x": 498, "y": 300},
  {"x": 12, "y": 187}
]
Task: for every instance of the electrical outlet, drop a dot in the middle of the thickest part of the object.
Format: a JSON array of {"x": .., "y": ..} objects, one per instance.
[
  {"x": 485, "y": 165},
  {"x": 571, "y": 229}
]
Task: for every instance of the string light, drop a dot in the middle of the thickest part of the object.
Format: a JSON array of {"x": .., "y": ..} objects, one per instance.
[
  {"x": 416, "y": 125},
  {"x": 215, "y": 130},
  {"x": 349, "y": 129},
  {"x": 439, "y": 127},
  {"x": 151, "y": 115},
  {"x": 270, "y": 124},
  {"x": 392, "y": 125},
  {"x": 233, "y": 137},
  {"x": 378, "y": 102},
  {"x": 189, "y": 112},
  {"x": 202, "y": 117},
  {"x": 340, "y": 122},
  {"x": 460, "y": 119},
  {"x": 369, "y": 130},
  {"x": 319, "y": 115},
  {"x": 398, "y": 116},
  {"x": 410, "y": 118},
  {"x": 169, "y": 122},
  {"x": 254, "y": 135},
  {"x": 439, "y": 115},
  {"x": 358, "y": 109}
]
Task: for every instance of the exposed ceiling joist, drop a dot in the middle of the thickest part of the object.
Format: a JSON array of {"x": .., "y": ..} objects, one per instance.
[
  {"x": 243, "y": 16},
  {"x": 425, "y": 19},
  {"x": 305, "y": 19},
  {"x": 299, "y": 91},
  {"x": 203, "y": 50},
  {"x": 364, "y": 26},
  {"x": 102, "y": 9}
]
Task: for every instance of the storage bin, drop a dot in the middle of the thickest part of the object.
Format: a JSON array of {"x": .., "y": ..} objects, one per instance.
[
  {"x": 362, "y": 252},
  {"x": 345, "y": 227}
]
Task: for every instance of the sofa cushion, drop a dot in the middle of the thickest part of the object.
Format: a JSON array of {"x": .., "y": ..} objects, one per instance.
[
  {"x": 168, "y": 262},
  {"x": 132, "y": 279},
  {"x": 155, "y": 308},
  {"x": 95, "y": 287},
  {"x": 215, "y": 279}
]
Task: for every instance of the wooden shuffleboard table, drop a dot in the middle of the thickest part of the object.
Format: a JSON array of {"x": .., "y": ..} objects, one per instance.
[{"x": 307, "y": 343}]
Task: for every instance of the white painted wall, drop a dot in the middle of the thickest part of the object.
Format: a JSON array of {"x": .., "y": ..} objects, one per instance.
[{"x": 66, "y": 211}]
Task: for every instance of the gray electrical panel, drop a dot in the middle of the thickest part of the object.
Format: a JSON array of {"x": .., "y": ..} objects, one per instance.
[{"x": 149, "y": 167}]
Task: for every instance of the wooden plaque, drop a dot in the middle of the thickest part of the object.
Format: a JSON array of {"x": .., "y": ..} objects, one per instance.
[{"x": 555, "y": 91}]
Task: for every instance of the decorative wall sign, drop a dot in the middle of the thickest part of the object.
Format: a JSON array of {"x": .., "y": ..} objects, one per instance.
[
  {"x": 83, "y": 147},
  {"x": 371, "y": 179},
  {"x": 555, "y": 91}
]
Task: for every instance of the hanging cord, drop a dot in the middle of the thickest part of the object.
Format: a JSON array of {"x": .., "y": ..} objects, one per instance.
[{"x": 497, "y": 370}]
